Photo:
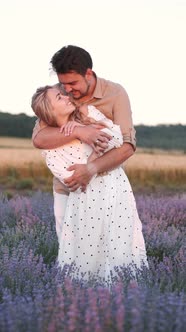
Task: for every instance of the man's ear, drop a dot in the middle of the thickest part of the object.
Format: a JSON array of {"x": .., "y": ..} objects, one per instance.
[{"x": 89, "y": 74}]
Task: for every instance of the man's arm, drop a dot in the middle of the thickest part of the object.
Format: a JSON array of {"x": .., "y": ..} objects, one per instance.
[
  {"x": 110, "y": 160},
  {"x": 122, "y": 116},
  {"x": 50, "y": 137}
]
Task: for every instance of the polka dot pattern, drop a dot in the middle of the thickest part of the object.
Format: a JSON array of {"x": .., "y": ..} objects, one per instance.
[
  {"x": 102, "y": 229},
  {"x": 101, "y": 226}
]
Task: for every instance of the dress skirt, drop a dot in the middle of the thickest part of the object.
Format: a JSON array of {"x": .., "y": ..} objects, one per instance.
[{"x": 102, "y": 229}]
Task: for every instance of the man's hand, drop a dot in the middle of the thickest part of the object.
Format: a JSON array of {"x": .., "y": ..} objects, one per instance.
[
  {"x": 93, "y": 136},
  {"x": 108, "y": 161},
  {"x": 81, "y": 176}
]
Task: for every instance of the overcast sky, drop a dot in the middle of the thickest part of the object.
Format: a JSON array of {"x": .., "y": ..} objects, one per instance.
[{"x": 139, "y": 44}]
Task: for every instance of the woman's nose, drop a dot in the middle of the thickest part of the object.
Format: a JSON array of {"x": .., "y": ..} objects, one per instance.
[{"x": 66, "y": 97}]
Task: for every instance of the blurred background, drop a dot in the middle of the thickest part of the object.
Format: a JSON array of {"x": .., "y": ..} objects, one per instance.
[{"x": 139, "y": 44}]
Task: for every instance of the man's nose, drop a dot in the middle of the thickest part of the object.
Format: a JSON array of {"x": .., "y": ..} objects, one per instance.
[{"x": 67, "y": 88}]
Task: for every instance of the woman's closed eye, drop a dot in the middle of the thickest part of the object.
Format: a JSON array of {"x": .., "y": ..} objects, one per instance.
[{"x": 58, "y": 96}]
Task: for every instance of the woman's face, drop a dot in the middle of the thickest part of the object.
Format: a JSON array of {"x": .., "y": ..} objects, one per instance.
[{"x": 61, "y": 106}]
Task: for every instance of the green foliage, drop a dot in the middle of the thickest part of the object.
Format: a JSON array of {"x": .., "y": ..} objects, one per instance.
[
  {"x": 16, "y": 125},
  {"x": 27, "y": 183},
  {"x": 169, "y": 137},
  {"x": 157, "y": 179}
]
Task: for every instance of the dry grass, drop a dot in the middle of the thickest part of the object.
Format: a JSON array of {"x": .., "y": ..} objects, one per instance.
[
  {"x": 9, "y": 142},
  {"x": 18, "y": 151},
  {"x": 156, "y": 160},
  {"x": 19, "y": 159},
  {"x": 157, "y": 169}
]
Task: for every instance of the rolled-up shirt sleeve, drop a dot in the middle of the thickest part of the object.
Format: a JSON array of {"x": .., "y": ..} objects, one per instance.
[{"x": 122, "y": 115}]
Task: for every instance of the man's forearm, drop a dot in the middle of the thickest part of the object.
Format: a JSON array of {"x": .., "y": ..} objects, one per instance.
[
  {"x": 51, "y": 138},
  {"x": 111, "y": 159},
  {"x": 84, "y": 172}
]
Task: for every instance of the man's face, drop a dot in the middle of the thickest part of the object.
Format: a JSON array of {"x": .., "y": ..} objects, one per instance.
[{"x": 75, "y": 84}]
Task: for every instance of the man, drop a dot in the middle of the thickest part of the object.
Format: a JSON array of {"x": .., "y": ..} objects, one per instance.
[{"x": 73, "y": 66}]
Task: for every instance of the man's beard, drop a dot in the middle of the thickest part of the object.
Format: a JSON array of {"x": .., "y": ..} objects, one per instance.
[{"x": 81, "y": 94}]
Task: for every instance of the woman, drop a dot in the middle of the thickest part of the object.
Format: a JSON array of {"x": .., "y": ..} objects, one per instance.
[{"x": 101, "y": 226}]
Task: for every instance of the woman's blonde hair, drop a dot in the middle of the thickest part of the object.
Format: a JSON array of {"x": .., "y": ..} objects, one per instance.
[{"x": 42, "y": 107}]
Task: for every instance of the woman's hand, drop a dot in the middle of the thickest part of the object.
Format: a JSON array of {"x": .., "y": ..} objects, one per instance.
[
  {"x": 93, "y": 136},
  {"x": 68, "y": 128}
]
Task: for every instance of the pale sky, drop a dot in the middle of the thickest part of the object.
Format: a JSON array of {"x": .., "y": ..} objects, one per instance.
[{"x": 139, "y": 44}]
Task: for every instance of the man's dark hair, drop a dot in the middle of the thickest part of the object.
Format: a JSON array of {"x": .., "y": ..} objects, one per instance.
[{"x": 71, "y": 58}]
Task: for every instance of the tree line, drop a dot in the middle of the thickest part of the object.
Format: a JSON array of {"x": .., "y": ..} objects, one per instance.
[{"x": 169, "y": 137}]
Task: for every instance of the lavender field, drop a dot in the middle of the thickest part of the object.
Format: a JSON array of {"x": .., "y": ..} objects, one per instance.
[{"x": 35, "y": 296}]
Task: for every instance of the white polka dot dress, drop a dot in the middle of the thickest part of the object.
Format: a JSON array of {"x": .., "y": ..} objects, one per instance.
[
  {"x": 102, "y": 229},
  {"x": 101, "y": 226}
]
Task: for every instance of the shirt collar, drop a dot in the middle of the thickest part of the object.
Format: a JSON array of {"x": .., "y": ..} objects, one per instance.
[{"x": 98, "y": 93}]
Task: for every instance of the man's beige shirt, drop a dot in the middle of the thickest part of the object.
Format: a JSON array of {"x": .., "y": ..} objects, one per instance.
[{"x": 112, "y": 100}]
